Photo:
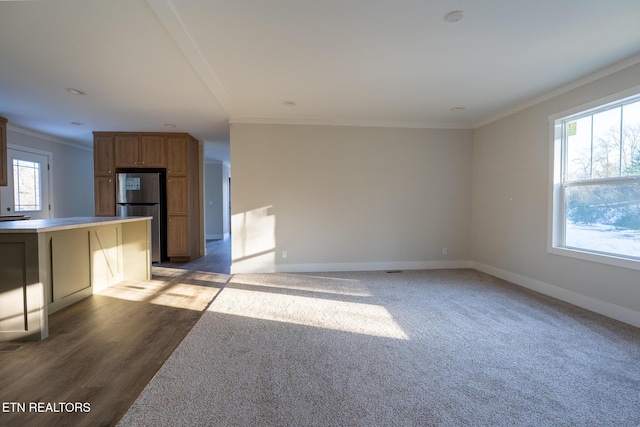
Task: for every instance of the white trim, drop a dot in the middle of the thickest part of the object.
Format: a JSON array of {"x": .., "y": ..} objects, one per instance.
[
  {"x": 613, "y": 311},
  {"x": 604, "y": 308},
  {"x": 603, "y": 102},
  {"x": 585, "y": 255},
  {"x": 49, "y": 156},
  {"x": 215, "y": 237},
  {"x": 46, "y": 137},
  {"x": 250, "y": 266},
  {"x": 634, "y": 60},
  {"x": 619, "y": 66},
  {"x": 349, "y": 123},
  {"x": 555, "y": 220},
  {"x": 174, "y": 25}
]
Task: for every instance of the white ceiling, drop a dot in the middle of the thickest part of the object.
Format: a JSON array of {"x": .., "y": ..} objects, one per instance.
[{"x": 201, "y": 63}]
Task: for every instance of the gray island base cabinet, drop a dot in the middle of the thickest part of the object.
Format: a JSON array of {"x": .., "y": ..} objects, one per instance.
[{"x": 48, "y": 264}]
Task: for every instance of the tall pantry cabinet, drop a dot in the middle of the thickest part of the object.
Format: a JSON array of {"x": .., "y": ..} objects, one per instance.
[
  {"x": 104, "y": 176},
  {"x": 177, "y": 155}
]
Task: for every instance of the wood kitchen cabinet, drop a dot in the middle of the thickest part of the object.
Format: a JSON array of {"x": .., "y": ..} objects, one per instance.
[
  {"x": 140, "y": 151},
  {"x": 177, "y": 195},
  {"x": 177, "y": 159},
  {"x": 3, "y": 152},
  {"x": 177, "y": 216},
  {"x": 152, "y": 151},
  {"x": 177, "y": 237},
  {"x": 105, "y": 195},
  {"x": 104, "y": 176},
  {"x": 175, "y": 153},
  {"x": 183, "y": 197},
  {"x": 103, "y": 156}
]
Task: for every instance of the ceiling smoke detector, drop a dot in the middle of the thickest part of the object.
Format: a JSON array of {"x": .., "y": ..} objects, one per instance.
[{"x": 454, "y": 16}]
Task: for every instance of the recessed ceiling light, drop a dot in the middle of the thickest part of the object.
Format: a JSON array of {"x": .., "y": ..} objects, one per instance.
[
  {"x": 169, "y": 125},
  {"x": 289, "y": 103},
  {"x": 457, "y": 109},
  {"x": 454, "y": 16},
  {"x": 76, "y": 91},
  {"x": 77, "y": 123}
]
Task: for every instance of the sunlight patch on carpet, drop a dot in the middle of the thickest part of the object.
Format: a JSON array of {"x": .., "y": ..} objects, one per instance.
[
  {"x": 345, "y": 316},
  {"x": 309, "y": 283}
]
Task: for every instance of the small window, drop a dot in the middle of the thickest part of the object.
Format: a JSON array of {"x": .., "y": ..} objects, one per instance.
[
  {"x": 26, "y": 182},
  {"x": 596, "y": 188}
]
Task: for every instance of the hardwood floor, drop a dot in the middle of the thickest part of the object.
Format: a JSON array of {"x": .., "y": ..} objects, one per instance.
[
  {"x": 103, "y": 350},
  {"x": 218, "y": 259}
]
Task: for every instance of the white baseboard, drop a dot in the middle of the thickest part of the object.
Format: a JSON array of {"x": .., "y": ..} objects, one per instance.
[
  {"x": 215, "y": 236},
  {"x": 608, "y": 309},
  {"x": 257, "y": 267},
  {"x": 598, "y": 306}
]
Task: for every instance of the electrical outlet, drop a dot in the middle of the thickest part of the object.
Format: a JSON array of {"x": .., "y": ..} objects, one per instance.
[
  {"x": 284, "y": 254},
  {"x": 445, "y": 251}
]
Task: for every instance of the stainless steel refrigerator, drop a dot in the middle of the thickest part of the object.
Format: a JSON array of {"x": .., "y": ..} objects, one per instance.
[{"x": 138, "y": 194}]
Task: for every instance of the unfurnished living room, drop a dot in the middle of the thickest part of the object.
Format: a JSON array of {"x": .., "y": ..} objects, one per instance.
[{"x": 319, "y": 213}]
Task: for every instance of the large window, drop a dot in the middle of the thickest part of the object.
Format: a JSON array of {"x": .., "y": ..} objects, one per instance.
[{"x": 596, "y": 188}]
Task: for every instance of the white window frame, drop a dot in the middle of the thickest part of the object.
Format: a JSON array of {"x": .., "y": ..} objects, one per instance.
[
  {"x": 19, "y": 207},
  {"x": 556, "y": 214}
]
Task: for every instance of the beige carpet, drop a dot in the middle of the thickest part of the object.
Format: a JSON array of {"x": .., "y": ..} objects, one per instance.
[{"x": 415, "y": 348}]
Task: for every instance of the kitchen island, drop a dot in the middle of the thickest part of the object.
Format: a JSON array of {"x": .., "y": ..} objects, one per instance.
[{"x": 48, "y": 264}]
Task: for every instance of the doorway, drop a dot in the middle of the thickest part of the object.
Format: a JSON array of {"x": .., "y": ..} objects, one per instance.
[{"x": 27, "y": 190}]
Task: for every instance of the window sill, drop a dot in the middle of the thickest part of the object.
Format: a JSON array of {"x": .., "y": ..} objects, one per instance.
[{"x": 631, "y": 263}]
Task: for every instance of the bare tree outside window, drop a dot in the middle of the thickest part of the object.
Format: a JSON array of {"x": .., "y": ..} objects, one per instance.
[
  {"x": 601, "y": 180},
  {"x": 26, "y": 181}
]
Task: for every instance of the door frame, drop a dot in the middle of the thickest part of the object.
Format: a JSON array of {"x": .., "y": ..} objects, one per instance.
[{"x": 49, "y": 170}]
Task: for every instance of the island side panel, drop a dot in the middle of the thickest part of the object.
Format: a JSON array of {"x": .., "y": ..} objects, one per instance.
[
  {"x": 70, "y": 267},
  {"x": 23, "y": 310},
  {"x": 106, "y": 255},
  {"x": 136, "y": 250}
]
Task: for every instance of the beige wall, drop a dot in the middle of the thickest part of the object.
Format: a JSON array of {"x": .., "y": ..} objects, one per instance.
[
  {"x": 511, "y": 167},
  {"x": 216, "y": 200},
  {"x": 344, "y": 198},
  {"x": 349, "y": 198}
]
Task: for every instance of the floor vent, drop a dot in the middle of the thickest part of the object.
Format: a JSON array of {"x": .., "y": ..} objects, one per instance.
[
  {"x": 6, "y": 348},
  {"x": 394, "y": 271}
]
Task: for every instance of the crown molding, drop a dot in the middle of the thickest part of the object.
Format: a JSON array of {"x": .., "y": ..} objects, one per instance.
[
  {"x": 619, "y": 66},
  {"x": 170, "y": 19},
  {"x": 349, "y": 123},
  {"x": 46, "y": 137}
]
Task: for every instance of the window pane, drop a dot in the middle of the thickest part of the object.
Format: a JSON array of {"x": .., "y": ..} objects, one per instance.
[
  {"x": 604, "y": 218},
  {"x": 579, "y": 149},
  {"x": 606, "y": 143},
  {"x": 26, "y": 185},
  {"x": 631, "y": 139}
]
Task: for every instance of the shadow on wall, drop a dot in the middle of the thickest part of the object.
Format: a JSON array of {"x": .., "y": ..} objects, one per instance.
[{"x": 254, "y": 239}]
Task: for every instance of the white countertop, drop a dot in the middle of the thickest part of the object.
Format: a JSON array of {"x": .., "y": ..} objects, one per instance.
[{"x": 55, "y": 224}]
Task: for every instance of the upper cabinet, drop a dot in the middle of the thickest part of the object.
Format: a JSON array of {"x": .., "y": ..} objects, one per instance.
[
  {"x": 3, "y": 152},
  {"x": 103, "y": 156},
  {"x": 153, "y": 151},
  {"x": 140, "y": 151},
  {"x": 178, "y": 152}
]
